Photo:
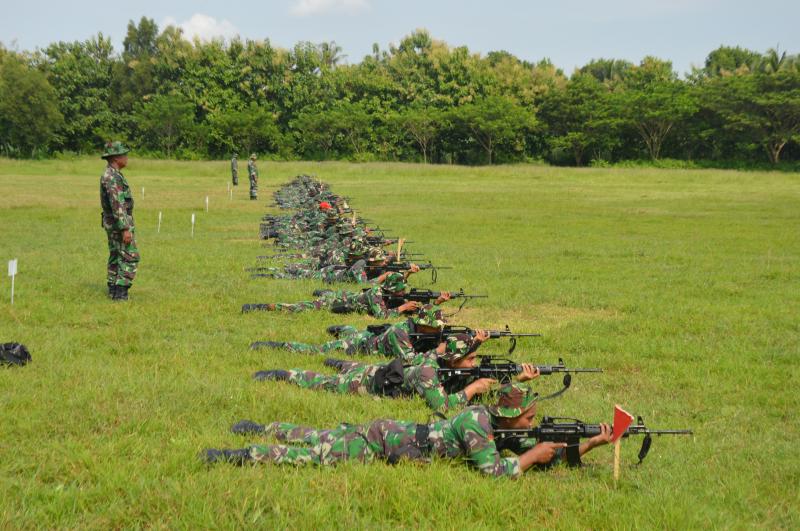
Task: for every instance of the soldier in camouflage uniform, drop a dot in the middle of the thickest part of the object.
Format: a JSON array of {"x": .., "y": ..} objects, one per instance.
[
  {"x": 116, "y": 200},
  {"x": 252, "y": 172},
  {"x": 235, "y": 170},
  {"x": 396, "y": 379},
  {"x": 394, "y": 341},
  {"x": 370, "y": 301},
  {"x": 467, "y": 435}
]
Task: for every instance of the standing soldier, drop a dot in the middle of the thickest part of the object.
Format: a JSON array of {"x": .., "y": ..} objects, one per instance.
[
  {"x": 235, "y": 170},
  {"x": 116, "y": 200},
  {"x": 253, "y": 173}
]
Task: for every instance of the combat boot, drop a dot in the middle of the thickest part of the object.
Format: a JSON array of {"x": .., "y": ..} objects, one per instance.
[
  {"x": 278, "y": 374},
  {"x": 236, "y": 457},
  {"x": 335, "y": 330},
  {"x": 121, "y": 293},
  {"x": 270, "y": 306},
  {"x": 112, "y": 289},
  {"x": 247, "y": 427},
  {"x": 336, "y": 364},
  {"x": 267, "y": 344},
  {"x": 321, "y": 292}
]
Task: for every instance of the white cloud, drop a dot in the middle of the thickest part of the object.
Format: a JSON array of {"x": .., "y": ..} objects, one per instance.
[
  {"x": 204, "y": 27},
  {"x": 304, "y": 8}
]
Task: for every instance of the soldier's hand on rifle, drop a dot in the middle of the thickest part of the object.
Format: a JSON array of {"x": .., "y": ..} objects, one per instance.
[
  {"x": 544, "y": 452},
  {"x": 444, "y": 296},
  {"x": 479, "y": 387},
  {"x": 480, "y": 336},
  {"x": 409, "y": 306},
  {"x": 127, "y": 237},
  {"x": 413, "y": 269},
  {"x": 529, "y": 372},
  {"x": 603, "y": 438}
]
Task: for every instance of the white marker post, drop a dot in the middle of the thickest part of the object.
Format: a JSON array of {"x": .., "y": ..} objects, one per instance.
[
  {"x": 206, "y": 203},
  {"x": 193, "y": 225},
  {"x": 12, "y": 272},
  {"x": 230, "y": 194},
  {"x": 142, "y": 192},
  {"x": 159, "y": 222}
]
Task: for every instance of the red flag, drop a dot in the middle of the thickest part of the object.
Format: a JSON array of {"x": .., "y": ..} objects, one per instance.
[{"x": 622, "y": 419}]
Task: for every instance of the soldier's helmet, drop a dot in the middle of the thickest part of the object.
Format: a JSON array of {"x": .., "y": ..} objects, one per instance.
[
  {"x": 252, "y": 156},
  {"x": 457, "y": 347},
  {"x": 113, "y": 149},
  {"x": 513, "y": 400},
  {"x": 394, "y": 282},
  {"x": 429, "y": 315},
  {"x": 235, "y": 155}
]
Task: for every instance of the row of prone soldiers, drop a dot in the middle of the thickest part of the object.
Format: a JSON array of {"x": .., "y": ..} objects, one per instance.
[{"x": 430, "y": 358}]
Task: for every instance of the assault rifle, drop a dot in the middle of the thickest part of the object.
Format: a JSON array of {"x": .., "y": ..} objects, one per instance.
[
  {"x": 427, "y": 341},
  {"x": 551, "y": 430},
  {"x": 426, "y": 296},
  {"x": 504, "y": 370}
]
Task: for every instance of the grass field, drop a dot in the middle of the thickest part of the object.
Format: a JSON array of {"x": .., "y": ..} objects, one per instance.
[{"x": 683, "y": 285}]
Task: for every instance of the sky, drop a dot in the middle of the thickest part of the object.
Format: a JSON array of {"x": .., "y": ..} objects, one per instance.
[{"x": 568, "y": 32}]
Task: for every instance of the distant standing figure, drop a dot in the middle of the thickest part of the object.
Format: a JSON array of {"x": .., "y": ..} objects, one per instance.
[
  {"x": 235, "y": 170},
  {"x": 116, "y": 200},
  {"x": 253, "y": 173}
]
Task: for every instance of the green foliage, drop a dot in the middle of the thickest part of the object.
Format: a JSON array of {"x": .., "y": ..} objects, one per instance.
[
  {"x": 419, "y": 99},
  {"x": 761, "y": 109},
  {"x": 165, "y": 121},
  {"x": 492, "y": 123},
  {"x": 29, "y": 115}
]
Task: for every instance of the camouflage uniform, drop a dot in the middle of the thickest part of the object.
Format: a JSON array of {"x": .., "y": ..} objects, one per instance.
[
  {"x": 468, "y": 434},
  {"x": 235, "y": 170},
  {"x": 394, "y": 342},
  {"x": 368, "y": 301},
  {"x": 117, "y": 202},
  {"x": 252, "y": 172},
  {"x": 420, "y": 377}
]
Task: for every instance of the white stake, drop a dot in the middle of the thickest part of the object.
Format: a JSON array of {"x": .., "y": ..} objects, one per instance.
[
  {"x": 192, "y": 225},
  {"x": 142, "y": 192},
  {"x": 159, "y": 222},
  {"x": 206, "y": 203},
  {"x": 230, "y": 194},
  {"x": 12, "y": 272},
  {"x": 229, "y": 187}
]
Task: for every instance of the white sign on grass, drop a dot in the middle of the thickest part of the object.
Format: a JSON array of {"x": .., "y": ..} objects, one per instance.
[{"x": 12, "y": 272}]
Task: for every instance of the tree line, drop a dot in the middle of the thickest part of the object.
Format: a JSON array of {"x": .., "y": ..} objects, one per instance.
[{"x": 420, "y": 100}]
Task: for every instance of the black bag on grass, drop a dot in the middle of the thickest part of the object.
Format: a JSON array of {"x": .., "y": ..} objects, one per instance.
[{"x": 14, "y": 354}]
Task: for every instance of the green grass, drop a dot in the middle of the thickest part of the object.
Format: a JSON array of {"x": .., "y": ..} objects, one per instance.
[{"x": 683, "y": 284}]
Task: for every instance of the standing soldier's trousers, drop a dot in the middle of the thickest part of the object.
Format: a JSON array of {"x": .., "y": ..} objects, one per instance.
[
  {"x": 123, "y": 260},
  {"x": 235, "y": 177},
  {"x": 253, "y": 187}
]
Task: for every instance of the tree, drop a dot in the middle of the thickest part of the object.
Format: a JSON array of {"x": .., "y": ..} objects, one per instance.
[
  {"x": 251, "y": 129},
  {"x": 493, "y": 123},
  {"x": 579, "y": 117},
  {"x": 727, "y": 60},
  {"x": 81, "y": 74},
  {"x": 654, "y": 101},
  {"x": 29, "y": 116},
  {"x": 760, "y": 108},
  {"x": 422, "y": 124},
  {"x": 165, "y": 120}
]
